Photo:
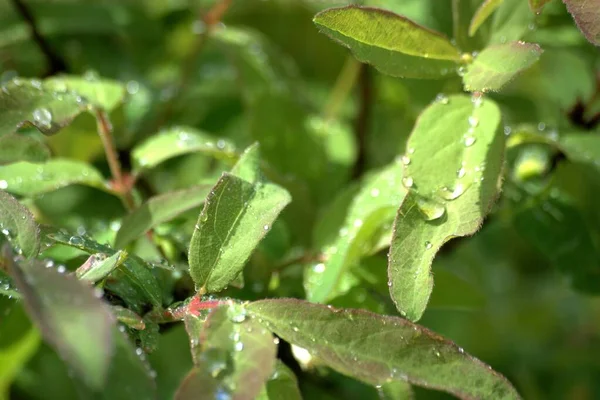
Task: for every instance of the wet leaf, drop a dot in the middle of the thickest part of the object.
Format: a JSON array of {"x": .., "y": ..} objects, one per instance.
[
  {"x": 66, "y": 311},
  {"x": 496, "y": 65},
  {"x": 99, "y": 266},
  {"x": 463, "y": 134},
  {"x": 32, "y": 179},
  {"x": 15, "y": 147},
  {"x": 18, "y": 223},
  {"x": 486, "y": 9},
  {"x": 391, "y": 43},
  {"x": 157, "y": 210},
  {"x": 27, "y": 102},
  {"x": 236, "y": 216},
  {"x": 380, "y": 349},
  {"x": 101, "y": 93},
  {"x": 586, "y": 14},
  {"x": 281, "y": 385},
  {"x": 511, "y": 21}
]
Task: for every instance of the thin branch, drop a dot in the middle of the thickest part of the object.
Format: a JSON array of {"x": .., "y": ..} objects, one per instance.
[
  {"x": 342, "y": 88},
  {"x": 363, "y": 119},
  {"x": 55, "y": 62}
]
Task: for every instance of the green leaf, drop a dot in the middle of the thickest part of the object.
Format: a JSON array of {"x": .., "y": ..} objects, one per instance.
[
  {"x": 587, "y": 16},
  {"x": 157, "y": 210},
  {"x": 98, "y": 266},
  {"x": 380, "y": 349},
  {"x": 537, "y": 5},
  {"x": 14, "y": 147},
  {"x": 248, "y": 166},
  {"x": 128, "y": 317},
  {"x": 486, "y": 9},
  {"x": 397, "y": 390},
  {"x": 32, "y": 179},
  {"x": 17, "y": 222},
  {"x": 101, "y": 93},
  {"x": 496, "y": 65},
  {"x": 69, "y": 316},
  {"x": 134, "y": 280},
  {"x": 391, "y": 43},
  {"x": 28, "y": 102},
  {"x": 281, "y": 385},
  {"x": 582, "y": 147},
  {"x": 177, "y": 141},
  {"x": 512, "y": 20},
  {"x": 372, "y": 207},
  {"x": 236, "y": 216},
  {"x": 453, "y": 165}
]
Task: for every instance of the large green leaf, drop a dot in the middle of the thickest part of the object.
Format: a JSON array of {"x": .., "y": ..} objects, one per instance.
[
  {"x": 102, "y": 93},
  {"x": 452, "y": 166},
  {"x": 32, "y": 179},
  {"x": 393, "y": 44},
  {"x": 281, "y": 385},
  {"x": 586, "y": 14},
  {"x": 496, "y": 65},
  {"x": 236, "y": 216},
  {"x": 15, "y": 147},
  {"x": 69, "y": 316},
  {"x": 372, "y": 208},
  {"x": 482, "y": 14},
  {"x": 157, "y": 210},
  {"x": 28, "y": 102},
  {"x": 17, "y": 222},
  {"x": 380, "y": 349}
]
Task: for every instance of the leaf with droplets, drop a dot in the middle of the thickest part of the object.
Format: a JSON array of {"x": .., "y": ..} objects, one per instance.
[
  {"x": 281, "y": 385},
  {"x": 176, "y": 141},
  {"x": 481, "y": 15},
  {"x": 15, "y": 147},
  {"x": 586, "y": 14},
  {"x": 371, "y": 209},
  {"x": 236, "y": 216},
  {"x": 397, "y": 390},
  {"x": 98, "y": 266},
  {"x": 511, "y": 21},
  {"x": 390, "y": 42},
  {"x": 28, "y": 102},
  {"x": 32, "y": 179},
  {"x": 497, "y": 65},
  {"x": 18, "y": 222},
  {"x": 453, "y": 175},
  {"x": 379, "y": 349},
  {"x": 157, "y": 210},
  {"x": 102, "y": 93},
  {"x": 198, "y": 384},
  {"x": 66, "y": 311}
]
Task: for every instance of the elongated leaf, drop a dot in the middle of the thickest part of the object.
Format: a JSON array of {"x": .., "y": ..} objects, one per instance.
[
  {"x": 496, "y": 65},
  {"x": 380, "y": 349},
  {"x": 248, "y": 166},
  {"x": 393, "y": 44},
  {"x": 134, "y": 275},
  {"x": 101, "y": 93},
  {"x": 17, "y": 222},
  {"x": 27, "y": 102},
  {"x": 236, "y": 216},
  {"x": 373, "y": 207},
  {"x": 281, "y": 385},
  {"x": 98, "y": 266},
  {"x": 586, "y": 14},
  {"x": 157, "y": 210},
  {"x": 537, "y": 5},
  {"x": 177, "y": 141},
  {"x": 512, "y": 20},
  {"x": 69, "y": 316},
  {"x": 32, "y": 179},
  {"x": 14, "y": 147},
  {"x": 444, "y": 202},
  {"x": 481, "y": 15}
]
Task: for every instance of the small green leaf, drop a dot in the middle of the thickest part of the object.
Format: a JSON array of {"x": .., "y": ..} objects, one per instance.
[
  {"x": 586, "y": 14},
  {"x": 248, "y": 166},
  {"x": 462, "y": 135},
  {"x": 236, "y": 216},
  {"x": 69, "y": 316},
  {"x": 281, "y": 385},
  {"x": 32, "y": 179},
  {"x": 177, "y": 141},
  {"x": 391, "y": 43},
  {"x": 28, "y": 102},
  {"x": 157, "y": 210},
  {"x": 101, "y": 93},
  {"x": 537, "y": 5},
  {"x": 496, "y": 65},
  {"x": 372, "y": 208},
  {"x": 380, "y": 349},
  {"x": 17, "y": 222},
  {"x": 98, "y": 266},
  {"x": 512, "y": 20},
  {"x": 481, "y": 15},
  {"x": 15, "y": 147}
]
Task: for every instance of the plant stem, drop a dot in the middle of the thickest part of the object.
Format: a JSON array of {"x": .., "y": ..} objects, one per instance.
[
  {"x": 343, "y": 86},
  {"x": 105, "y": 132},
  {"x": 363, "y": 119},
  {"x": 303, "y": 259}
]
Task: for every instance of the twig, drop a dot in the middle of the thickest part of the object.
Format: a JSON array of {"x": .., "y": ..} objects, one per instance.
[
  {"x": 303, "y": 259},
  {"x": 55, "y": 62},
  {"x": 343, "y": 85},
  {"x": 363, "y": 119}
]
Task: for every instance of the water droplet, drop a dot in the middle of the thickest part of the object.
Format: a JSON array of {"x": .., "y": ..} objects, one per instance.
[
  {"x": 389, "y": 283},
  {"x": 139, "y": 351},
  {"x": 428, "y": 245},
  {"x": 477, "y": 100},
  {"x": 42, "y": 117},
  {"x": 295, "y": 329},
  {"x": 473, "y": 121},
  {"x": 239, "y": 346},
  {"x": 405, "y": 160},
  {"x": 237, "y": 314},
  {"x": 461, "y": 173},
  {"x": 461, "y": 71},
  {"x": 442, "y": 99},
  {"x": 266, "y": 227},
  {"x": 507, "y": 130},
  {"x": 432, "y": 210},
  {"x": 452, "y": 194},
  {"x": 407, "y": 182},
  {"x": 411, "y": 150},
  {"x": 132, "y": 87},
  {"x": 61, "y": 269},
  {"x": 358, "y": 223},
  {"x": 3, "y": 184},
  {"x": 319, "y": 268},
  {"x": 541, "y": 126},
  {"x": 374, "y": 192},
  {"x": 469, "y": 140},
  {"x": 221, "y": 144},
  {"x": 75, "y": 240}
]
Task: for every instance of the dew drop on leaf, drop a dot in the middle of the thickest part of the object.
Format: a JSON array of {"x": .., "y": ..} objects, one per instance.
[
  {"x": 405, "y": 160},
  {"x": 442, "y": 99},
  {"x": 42, "y": 117},
  {"x": 469, "y": 141},
  {"x": 430, "y": 209},
  {"x": 3, "y": 184},
  {"x": 428, "y": 245},
  {"x": 407, "y": 182}
]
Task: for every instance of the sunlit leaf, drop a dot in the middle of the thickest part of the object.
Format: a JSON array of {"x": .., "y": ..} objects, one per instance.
[
  {"x": 14, "y": 147},
  {"x": 393, "y": 44},
  {"x": 463, "y": 135},
  {"x": 586, "y": 14},
  {"x": 481, "y": 15},
  {"x": 248, "y": 166},
  {"x": 236, "y": 216},
  {"x": 380, "y": 349},
  {"x": 101, "y": 93},
  {"x": 496, "y": 65},
  {"x": 17, "y": 222},
  {"x": 511, "y": 21}
]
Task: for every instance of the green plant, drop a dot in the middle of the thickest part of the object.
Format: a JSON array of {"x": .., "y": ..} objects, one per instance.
[{"x": 269, "y": 261}]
